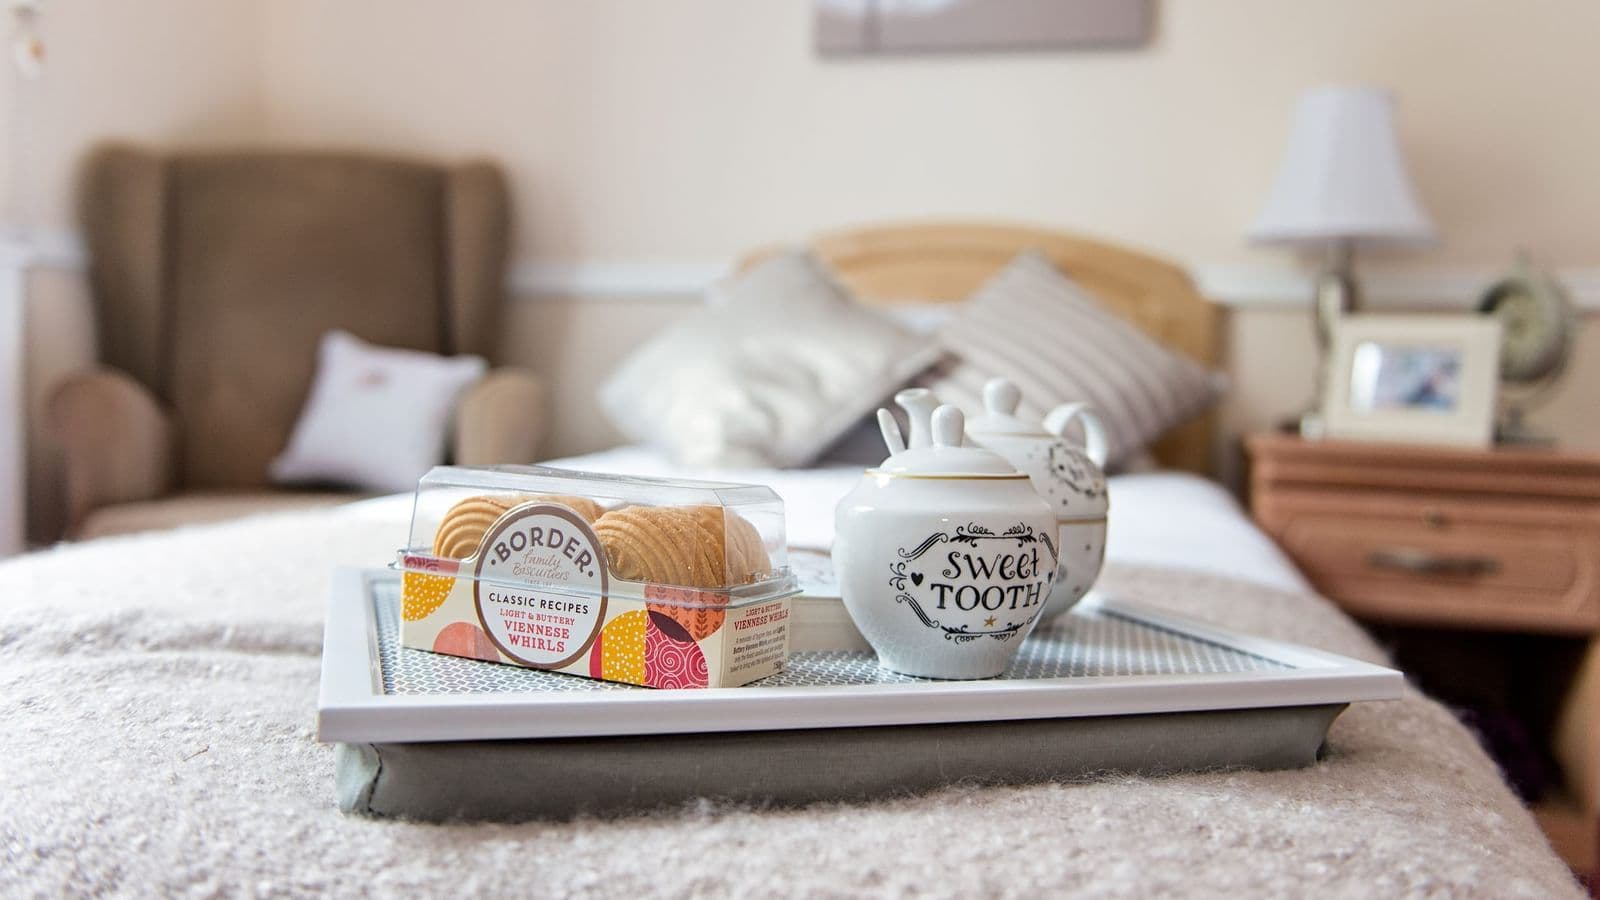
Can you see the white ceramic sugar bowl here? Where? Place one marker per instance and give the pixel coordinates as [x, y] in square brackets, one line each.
[945, 554]
[1067, 474]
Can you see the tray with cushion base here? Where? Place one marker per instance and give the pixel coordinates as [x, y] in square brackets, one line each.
[1111, 686]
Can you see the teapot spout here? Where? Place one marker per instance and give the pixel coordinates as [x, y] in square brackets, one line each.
[919, 404]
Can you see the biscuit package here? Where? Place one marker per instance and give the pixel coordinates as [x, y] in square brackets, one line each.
[655, 582]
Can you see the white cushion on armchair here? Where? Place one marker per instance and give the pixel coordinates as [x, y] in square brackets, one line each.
[376, 418]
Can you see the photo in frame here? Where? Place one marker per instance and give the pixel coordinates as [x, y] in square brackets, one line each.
[1413, 379]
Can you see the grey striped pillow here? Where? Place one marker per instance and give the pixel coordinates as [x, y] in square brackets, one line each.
[1037, 327]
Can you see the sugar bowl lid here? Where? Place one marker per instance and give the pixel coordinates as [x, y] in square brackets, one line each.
[1000, 401]
[944, 457]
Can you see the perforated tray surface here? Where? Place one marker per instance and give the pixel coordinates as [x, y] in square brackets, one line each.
[1106, 658]
[1088, 642]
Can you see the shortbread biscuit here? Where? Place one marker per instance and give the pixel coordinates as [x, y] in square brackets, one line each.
[661, 545]
[695, 546]
[746, 554]
[463, 527]
[587, 510]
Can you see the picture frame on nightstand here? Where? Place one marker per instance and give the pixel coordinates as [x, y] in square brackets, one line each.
[1413, 379]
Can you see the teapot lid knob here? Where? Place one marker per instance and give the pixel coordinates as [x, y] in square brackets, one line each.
[946, 453]
[948, 423]
[1000, 397]
[919, 404]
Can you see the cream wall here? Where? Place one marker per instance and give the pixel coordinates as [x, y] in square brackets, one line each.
[689, 130]
[156, 70]
[679, 134]
[160, 70]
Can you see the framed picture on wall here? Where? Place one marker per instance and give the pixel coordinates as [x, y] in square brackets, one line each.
[1413, 379]
[876, 27]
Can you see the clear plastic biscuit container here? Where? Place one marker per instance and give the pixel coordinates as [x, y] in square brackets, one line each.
[656, 582]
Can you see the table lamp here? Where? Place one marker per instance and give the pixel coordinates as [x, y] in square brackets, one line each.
[1342, 184]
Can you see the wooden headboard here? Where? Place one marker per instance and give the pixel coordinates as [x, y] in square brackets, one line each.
[947, 261]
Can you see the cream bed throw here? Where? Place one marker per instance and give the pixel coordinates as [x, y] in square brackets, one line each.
[157, 696]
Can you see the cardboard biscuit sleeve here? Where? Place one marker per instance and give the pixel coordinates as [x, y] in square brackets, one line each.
[654, 582]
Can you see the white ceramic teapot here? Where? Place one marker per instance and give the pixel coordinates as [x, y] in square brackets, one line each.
[1066, 474]
[945, 554]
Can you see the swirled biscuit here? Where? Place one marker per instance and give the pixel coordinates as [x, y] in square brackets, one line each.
[746, 554]
[463, 527]
[587, 510]
[662, 545]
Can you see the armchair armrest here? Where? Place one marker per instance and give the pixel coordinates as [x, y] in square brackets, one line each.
[116, 440]
[501, 419]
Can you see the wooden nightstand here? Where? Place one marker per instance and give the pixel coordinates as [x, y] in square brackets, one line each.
[1491, 538]
[1502, 540]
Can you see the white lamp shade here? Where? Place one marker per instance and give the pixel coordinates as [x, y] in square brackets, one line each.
[1343, 177]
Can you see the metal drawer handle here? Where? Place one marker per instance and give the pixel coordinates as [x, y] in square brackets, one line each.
[1423, 562]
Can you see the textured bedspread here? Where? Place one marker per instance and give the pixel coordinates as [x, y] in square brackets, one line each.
[157, 697]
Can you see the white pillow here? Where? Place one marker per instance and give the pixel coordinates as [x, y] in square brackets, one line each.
[780, 364]
[1045, 332]
[921, 317]
[377, 418]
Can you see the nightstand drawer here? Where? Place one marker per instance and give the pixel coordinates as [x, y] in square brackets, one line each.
[1401, 558]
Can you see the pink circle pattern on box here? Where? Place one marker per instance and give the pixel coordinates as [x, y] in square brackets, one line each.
[672, 658]
[465, 639]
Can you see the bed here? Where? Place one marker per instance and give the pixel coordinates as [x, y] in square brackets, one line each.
[159, 689]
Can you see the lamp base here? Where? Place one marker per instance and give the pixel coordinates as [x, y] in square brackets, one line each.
[1512, 430]
[1334, 295]
[1312, 426]
[1335, 292]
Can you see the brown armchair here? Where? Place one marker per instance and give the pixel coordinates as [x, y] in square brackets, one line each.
[213, 275]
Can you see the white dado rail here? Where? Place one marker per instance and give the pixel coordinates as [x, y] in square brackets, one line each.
[1232, 285]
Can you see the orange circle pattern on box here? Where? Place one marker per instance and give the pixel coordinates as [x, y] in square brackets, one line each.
[700, 613]
[618, 653]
